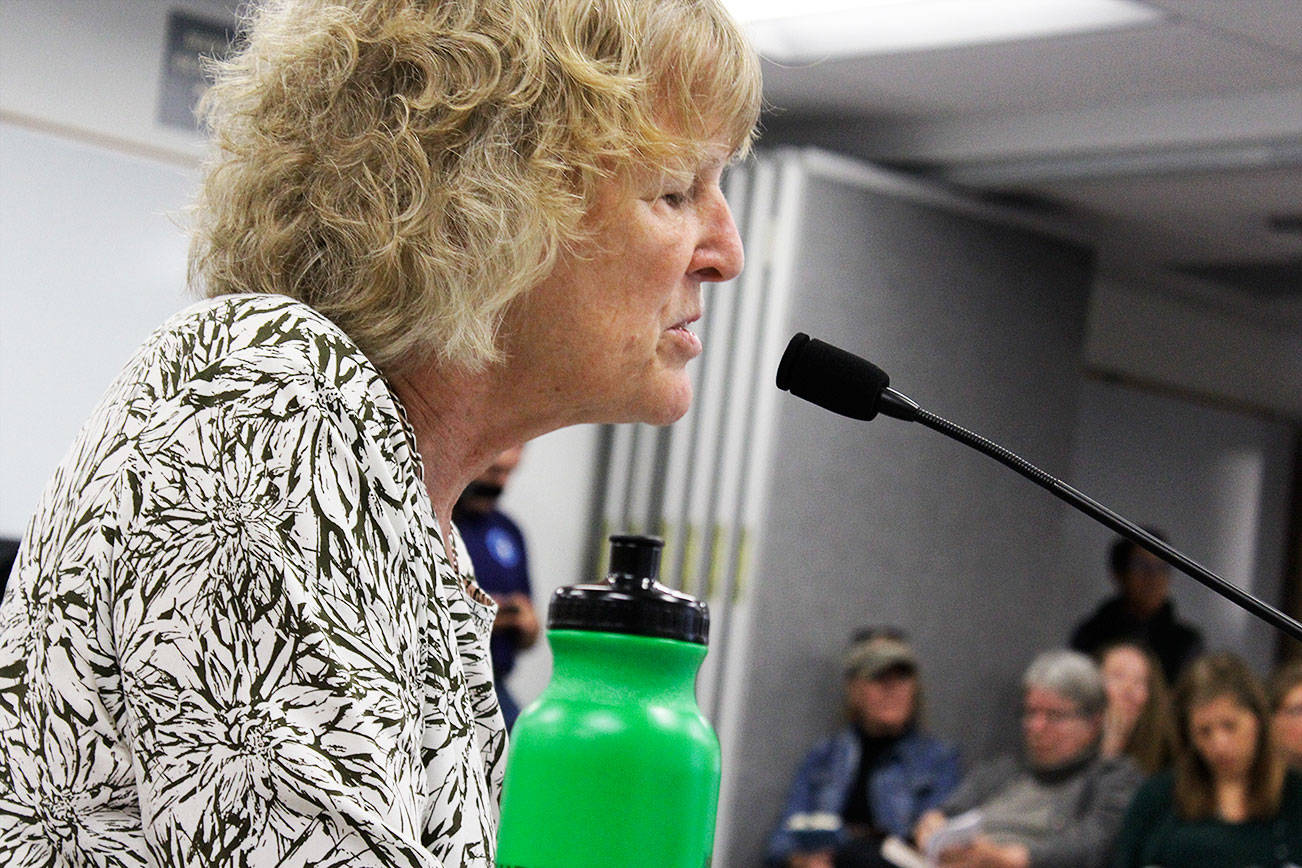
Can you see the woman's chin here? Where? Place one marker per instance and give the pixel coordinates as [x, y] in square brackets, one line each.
[668, 404]
[660, 399]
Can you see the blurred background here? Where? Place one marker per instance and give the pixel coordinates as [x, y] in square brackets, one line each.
[1077, 231]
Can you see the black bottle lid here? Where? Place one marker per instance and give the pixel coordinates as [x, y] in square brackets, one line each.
[630, 600]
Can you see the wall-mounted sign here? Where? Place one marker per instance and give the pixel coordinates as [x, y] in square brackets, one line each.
[188, 39]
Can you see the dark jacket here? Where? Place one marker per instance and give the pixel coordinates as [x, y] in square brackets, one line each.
[1155, 834]
[1174, 642]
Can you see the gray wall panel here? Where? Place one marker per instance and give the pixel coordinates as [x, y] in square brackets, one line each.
[887, 522]
[1216, 480]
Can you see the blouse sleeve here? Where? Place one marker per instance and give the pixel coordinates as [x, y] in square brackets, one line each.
[269, 638]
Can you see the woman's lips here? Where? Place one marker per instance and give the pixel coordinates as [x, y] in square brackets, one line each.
[684, 335]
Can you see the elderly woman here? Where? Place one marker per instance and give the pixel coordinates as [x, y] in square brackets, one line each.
[1229, 801]
[241, 629]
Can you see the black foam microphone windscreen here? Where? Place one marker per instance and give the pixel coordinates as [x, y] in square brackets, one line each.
[832, 378]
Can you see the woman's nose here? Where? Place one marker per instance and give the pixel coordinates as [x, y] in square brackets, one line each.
[719, 256]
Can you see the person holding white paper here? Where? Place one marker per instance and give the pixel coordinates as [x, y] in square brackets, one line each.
[1059, 804]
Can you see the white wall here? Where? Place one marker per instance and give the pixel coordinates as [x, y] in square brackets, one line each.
[93, 67]
[91, 261]
[91, 256]
[1161, 338]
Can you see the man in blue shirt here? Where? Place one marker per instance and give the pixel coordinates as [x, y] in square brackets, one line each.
[497, 550]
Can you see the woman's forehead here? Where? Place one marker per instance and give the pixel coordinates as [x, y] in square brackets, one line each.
[1222, 704]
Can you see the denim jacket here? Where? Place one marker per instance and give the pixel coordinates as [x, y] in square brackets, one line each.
[916, 774]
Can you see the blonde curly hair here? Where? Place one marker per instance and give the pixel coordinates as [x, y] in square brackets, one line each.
[408, 167]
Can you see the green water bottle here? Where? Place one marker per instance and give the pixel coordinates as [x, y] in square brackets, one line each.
[614, 766]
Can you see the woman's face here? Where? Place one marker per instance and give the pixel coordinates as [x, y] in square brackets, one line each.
[885, 705]
[1125, 678]
[1225, 735]
[607, 336]
[1287, 726]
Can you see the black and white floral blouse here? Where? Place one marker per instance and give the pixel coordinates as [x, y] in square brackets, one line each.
[233, 635]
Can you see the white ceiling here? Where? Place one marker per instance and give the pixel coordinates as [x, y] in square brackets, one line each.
[1169, 146]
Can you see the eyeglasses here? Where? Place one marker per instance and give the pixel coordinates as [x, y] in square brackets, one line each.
[1052, 715]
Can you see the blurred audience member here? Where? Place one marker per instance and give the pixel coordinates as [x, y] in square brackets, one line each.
[1229, 801]
[497, 550]
[1286, 713]
[875, 776]
[1061, 803]
[1141, 611]
[1139, 721]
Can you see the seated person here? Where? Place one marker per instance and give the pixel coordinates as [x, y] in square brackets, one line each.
[875, 776]
[1229, 800]
[1061, 803]
[1139, 721]
[1286, 713]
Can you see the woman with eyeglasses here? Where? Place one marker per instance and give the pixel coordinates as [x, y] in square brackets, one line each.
[1286, 713]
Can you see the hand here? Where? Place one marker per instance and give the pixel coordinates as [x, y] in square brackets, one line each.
[1118, 722]
[821, 859]
[927, 825]
[515, 612]
[984, 853]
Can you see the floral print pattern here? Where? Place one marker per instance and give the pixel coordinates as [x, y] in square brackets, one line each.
[234, 635]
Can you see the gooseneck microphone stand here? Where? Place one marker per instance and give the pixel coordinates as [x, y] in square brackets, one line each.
[847, 384]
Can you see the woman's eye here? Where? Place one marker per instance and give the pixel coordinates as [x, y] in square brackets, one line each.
[674, 200]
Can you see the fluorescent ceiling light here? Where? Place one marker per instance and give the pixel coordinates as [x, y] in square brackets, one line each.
[805, 30]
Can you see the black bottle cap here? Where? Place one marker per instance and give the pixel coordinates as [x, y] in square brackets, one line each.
[630, 600]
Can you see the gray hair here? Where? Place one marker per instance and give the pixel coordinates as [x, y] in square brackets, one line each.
[1071, 674]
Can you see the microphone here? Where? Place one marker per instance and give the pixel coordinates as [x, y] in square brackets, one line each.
[844, 383]
[840, 381]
